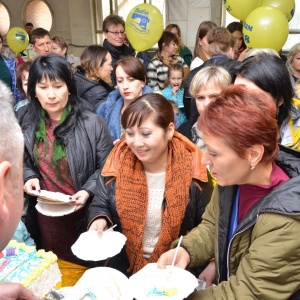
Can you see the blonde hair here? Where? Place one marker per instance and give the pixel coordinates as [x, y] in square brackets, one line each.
[293, 51]
[215, 73]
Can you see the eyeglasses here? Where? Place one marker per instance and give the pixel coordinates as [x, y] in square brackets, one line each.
[116, 33]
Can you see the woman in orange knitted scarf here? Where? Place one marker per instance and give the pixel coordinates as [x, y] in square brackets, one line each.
[153, 186]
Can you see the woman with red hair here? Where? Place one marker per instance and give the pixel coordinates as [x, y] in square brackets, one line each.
[251, 225]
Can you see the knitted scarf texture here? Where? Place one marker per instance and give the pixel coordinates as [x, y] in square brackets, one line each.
[167, 62]
[132, 196]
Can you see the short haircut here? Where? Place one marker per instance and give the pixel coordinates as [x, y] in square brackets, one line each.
[203, 29]
[29, 24]
[293, 51]
[148, 105]
[112, 20]
[167, 38]
[24, 67]
[217, 74]
[60, 41]
[133, 67]
[38, 33]
[92, 58]
[244, 118]
[270, 74]
[219, 40]
[11, 141]
[170, 27]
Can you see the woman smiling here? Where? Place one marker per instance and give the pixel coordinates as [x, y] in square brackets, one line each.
[153, 182]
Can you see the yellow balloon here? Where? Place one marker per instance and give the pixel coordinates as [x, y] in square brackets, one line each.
[266, 27]
[240, 9]
[144, 26]
[286, 6]
[17, 39]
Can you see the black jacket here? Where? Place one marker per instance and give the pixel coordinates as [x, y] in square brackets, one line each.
[94, 92]
[87, 148]
[116, 54]
[104, 204]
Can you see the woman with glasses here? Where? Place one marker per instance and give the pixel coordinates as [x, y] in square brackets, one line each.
[114, 33]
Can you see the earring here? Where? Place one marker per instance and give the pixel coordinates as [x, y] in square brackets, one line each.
[252, 168]
[69, 94]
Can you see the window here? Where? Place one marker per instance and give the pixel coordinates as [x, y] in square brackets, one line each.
[4, 20]
[119, 7]
[294, 26]
[38, 13]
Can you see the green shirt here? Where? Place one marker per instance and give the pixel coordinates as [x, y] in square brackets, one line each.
[5, 75]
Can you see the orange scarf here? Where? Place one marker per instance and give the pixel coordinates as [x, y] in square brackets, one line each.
[132, 195]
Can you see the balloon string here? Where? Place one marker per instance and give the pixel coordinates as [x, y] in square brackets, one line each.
[136, 53]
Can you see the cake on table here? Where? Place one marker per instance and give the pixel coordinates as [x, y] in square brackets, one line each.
[36, 270]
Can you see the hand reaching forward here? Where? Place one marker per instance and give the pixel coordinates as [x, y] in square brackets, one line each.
[15, 291]
[209, 274]
[100, 225]
[32, 184]
[182, 258]
[80, 199]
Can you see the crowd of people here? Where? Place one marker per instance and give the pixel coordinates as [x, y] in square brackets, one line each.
[204, 146]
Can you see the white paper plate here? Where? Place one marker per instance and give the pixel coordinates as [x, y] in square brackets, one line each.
[48, 197]
[147, 283]
[106, 284]
[55, 210]
[89, 246]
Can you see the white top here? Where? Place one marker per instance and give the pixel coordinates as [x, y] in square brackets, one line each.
[156, 190]
[197, 62]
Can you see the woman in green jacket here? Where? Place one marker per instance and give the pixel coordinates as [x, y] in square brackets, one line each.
[251, 225]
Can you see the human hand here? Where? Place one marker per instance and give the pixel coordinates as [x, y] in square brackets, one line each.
[182, 258]
[116, 141]
[174, 90]
[15, 291]
[209, 274]
[80, 199]
[243, 54]
[100, 225]
[32, 184]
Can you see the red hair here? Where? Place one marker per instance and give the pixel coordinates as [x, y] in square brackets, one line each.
[244, 118]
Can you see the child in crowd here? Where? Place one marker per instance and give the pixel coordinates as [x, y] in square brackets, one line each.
[21, 235]
[22, 80]
[174, 91]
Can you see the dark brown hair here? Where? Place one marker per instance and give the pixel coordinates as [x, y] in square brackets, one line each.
[92, 58]
[247, 117]
[24, 67]
[133, 67]
[154, 105]
[112, 20]
[38, 33]
[167, 38]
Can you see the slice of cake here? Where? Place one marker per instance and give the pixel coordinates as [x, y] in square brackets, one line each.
[36, 270]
